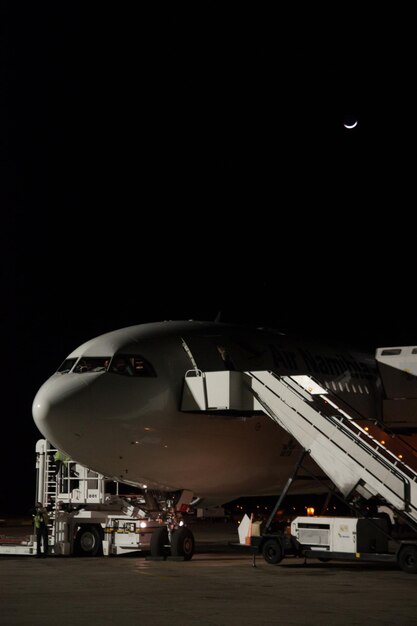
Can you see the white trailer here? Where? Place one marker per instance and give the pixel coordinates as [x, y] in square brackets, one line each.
[338, 538]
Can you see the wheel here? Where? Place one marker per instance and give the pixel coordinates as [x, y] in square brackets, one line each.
[272, 551]
[88, 541]
[159, 542]
[182, 543]
[407, 559]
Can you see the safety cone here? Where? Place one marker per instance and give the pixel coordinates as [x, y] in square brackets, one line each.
[249, 535]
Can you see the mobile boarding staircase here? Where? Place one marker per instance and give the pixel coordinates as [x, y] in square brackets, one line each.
[358, 455]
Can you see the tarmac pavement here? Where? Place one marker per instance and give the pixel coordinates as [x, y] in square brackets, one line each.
[218, 587]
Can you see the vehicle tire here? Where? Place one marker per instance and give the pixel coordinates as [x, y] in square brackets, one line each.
[272, 551]
[159, 542]
[182, 543]
[88, 541]
[407, 559]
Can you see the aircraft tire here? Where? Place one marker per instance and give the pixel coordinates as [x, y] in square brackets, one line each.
[407, 558]
[182, 543]
[272, 552]
[88, 541]
[159, 542]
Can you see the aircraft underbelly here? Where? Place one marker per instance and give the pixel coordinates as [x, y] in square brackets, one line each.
[211, 456]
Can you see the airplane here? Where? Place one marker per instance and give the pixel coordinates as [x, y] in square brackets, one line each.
[114, 405]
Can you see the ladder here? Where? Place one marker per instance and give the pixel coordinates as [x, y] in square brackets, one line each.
[358, 456]
[46, 484]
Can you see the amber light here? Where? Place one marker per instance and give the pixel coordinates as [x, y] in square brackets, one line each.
[310, 510]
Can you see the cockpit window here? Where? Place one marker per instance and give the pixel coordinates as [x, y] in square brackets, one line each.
[92, 364]
[131, 365]
[123, 364]
[66, 366]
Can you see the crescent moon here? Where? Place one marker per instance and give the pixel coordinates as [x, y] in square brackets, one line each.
[349, 126]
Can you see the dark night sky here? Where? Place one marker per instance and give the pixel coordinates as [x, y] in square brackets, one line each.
[171, 166]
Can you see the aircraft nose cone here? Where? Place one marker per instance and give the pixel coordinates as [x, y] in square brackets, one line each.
[59, 406]
[41, 408]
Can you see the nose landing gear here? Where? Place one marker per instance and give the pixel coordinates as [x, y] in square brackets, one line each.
[173, 538]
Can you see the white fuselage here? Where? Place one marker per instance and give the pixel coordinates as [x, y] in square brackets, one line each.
[131, 428]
